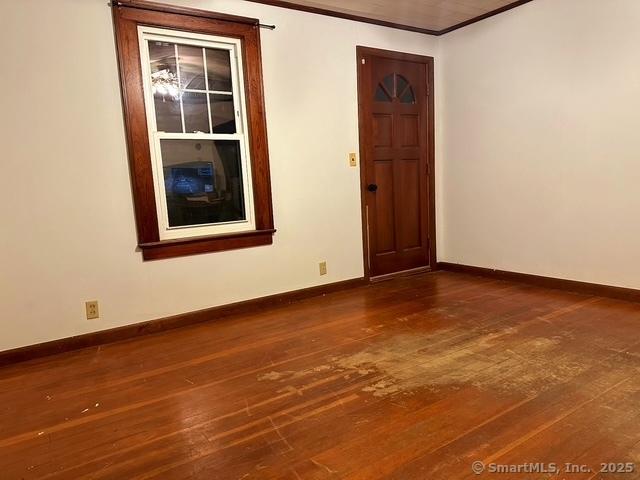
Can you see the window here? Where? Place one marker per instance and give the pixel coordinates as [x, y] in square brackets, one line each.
[197, 122]
[395, 86]
[194, 110]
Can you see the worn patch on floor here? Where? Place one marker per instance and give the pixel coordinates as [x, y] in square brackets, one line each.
[405, 363]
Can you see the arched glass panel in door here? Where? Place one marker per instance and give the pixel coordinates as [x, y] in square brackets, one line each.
[395, 87]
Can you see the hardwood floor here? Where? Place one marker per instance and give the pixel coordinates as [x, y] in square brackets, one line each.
[415, 378]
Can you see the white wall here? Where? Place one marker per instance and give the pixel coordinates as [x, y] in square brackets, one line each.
[68, 232]
[541, 141]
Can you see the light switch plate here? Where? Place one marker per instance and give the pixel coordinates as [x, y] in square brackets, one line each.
[323, 268]
[352, 160]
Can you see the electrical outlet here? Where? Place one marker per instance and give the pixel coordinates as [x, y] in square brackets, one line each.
[92, 310]
[352, 160]
[323, 268]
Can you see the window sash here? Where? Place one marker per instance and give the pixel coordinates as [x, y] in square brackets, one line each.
[234, 46]
[161, 197]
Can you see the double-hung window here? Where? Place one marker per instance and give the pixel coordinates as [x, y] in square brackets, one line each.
[196, 129]
[197, 123]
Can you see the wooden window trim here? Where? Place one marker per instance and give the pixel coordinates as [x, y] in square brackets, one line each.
[127, 16]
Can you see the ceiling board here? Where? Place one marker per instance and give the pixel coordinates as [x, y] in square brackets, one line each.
[427, 16]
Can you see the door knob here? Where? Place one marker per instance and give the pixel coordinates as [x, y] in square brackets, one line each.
[372, 187]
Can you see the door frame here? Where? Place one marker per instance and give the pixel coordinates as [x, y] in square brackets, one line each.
[431, 227]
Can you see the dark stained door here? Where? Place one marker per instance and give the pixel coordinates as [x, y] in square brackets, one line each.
[396, 136]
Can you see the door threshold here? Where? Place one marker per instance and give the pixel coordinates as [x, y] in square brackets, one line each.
[403, 273]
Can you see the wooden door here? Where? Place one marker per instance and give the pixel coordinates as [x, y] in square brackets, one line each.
[396, 147]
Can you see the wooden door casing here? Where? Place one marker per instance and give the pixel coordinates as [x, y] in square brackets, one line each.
[396, 147]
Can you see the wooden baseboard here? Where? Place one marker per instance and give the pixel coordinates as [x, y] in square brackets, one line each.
[168, 323]
[619, 293]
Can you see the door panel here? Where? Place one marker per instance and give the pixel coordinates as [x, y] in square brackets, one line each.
[382, 130]
[409, 129]
[408, 204]
[385, 233]
[396, 136]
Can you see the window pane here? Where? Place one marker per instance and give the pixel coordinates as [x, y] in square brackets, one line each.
[191, 67]
[219, 69]
[381, 95]
[408, 96]
[164, 83]
[401, 85]
[388, 84]
[162, 56]
[196, 112]
[167, 113]
[203, 181]
[222, 114]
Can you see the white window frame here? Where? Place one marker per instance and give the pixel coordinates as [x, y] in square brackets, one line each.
[234, 46]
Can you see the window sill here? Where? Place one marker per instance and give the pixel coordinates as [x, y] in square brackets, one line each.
[211, 243]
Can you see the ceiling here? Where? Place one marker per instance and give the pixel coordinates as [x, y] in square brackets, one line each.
[427, 16]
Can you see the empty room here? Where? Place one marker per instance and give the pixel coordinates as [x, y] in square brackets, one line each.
[320, 239]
